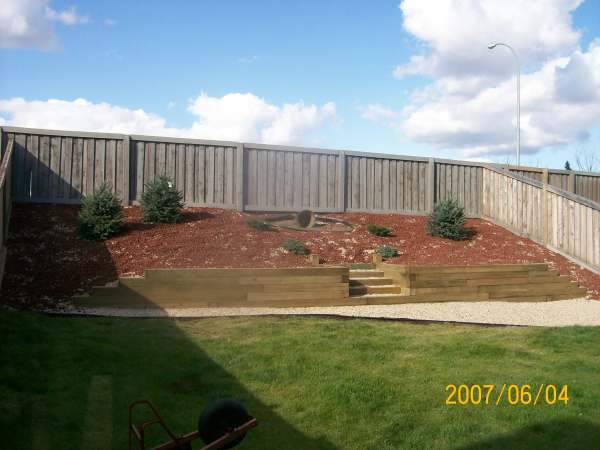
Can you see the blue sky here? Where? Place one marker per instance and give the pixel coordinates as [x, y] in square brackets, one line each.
[161, 57]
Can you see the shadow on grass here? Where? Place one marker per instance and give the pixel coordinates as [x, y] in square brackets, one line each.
[66, 382]
[564, 434]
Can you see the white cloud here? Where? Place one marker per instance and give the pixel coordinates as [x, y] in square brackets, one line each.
[470, 104]
[29, 23]
[236, 117]
[67, 17]
[248, 117]
[377, 112]
[110, 22]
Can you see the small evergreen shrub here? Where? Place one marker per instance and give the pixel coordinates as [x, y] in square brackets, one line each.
[294, 246]
[101, 215]
[161, 202]
[258, 224]
[378, 230]
[386, 251]
[448, 221]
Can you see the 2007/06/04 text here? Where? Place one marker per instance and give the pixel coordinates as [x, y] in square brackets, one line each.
[511, 394]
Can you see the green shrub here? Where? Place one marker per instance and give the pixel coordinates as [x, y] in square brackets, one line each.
[258, 224]
[161, 202]
[387, 252]
[378, 230]
[101, 215]
[448, 221]
[294, 246]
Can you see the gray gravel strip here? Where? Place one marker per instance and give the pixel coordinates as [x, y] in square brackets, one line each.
[542, 314]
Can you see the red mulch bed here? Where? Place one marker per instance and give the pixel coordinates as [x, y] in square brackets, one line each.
[47, 262]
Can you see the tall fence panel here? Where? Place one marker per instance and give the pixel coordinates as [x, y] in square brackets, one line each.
[61, 167]
[204, 171]
[6, 152]
[584, 184]
[562, 221]
[382, 183]
[588, 186]
[574, 227]
[462, 182]
[290, 179]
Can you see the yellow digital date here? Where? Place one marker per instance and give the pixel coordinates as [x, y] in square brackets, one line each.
[511, 394]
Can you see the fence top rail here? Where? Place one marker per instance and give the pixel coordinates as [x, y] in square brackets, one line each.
[457, 162]
[5, 161]
[335, 152]
[555, 190]
[75, 134]
[182, 140]
[177, 140]
[541, 170]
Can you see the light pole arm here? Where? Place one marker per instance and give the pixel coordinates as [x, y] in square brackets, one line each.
[518, 96]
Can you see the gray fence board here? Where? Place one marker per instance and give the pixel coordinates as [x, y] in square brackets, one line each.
[54, 166]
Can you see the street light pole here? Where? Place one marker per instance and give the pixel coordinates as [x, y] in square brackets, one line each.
[491, 47]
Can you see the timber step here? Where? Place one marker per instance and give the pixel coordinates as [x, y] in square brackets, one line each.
[362, 273]
[377, 289]
[361, 266]
[370, 281]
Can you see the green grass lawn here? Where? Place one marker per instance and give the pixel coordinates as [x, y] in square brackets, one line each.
[313, 383]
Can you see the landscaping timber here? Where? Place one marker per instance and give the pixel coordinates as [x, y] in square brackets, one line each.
[363, 284]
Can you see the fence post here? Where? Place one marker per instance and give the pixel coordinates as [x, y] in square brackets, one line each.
[341, 200]
[430, 184]
[544, 207]
[126, 168]
[571, 187]
[239, 177]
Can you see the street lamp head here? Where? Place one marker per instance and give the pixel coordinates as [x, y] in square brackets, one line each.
[492, 46]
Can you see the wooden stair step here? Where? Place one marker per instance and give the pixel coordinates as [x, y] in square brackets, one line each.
[370, 281]
[362, 266]
[377, 289]
[365, 273]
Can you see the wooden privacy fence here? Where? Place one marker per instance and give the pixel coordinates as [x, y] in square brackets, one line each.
[60, 167]
[562, 221]
[584, 184]
[6, 151]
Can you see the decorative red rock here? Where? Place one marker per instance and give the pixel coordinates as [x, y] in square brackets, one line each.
[47, 262]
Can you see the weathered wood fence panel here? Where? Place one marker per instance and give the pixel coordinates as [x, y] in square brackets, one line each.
[588, 186]
[61, 167]
[204, 171]
[562, 221]
[6, 154]
[584, 184]
[386, 184]
[575, 228]
[462, 182]
[281, 179]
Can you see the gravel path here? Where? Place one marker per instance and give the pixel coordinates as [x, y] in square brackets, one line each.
[546, 314]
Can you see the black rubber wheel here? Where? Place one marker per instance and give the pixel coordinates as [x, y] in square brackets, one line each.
[218, 418]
